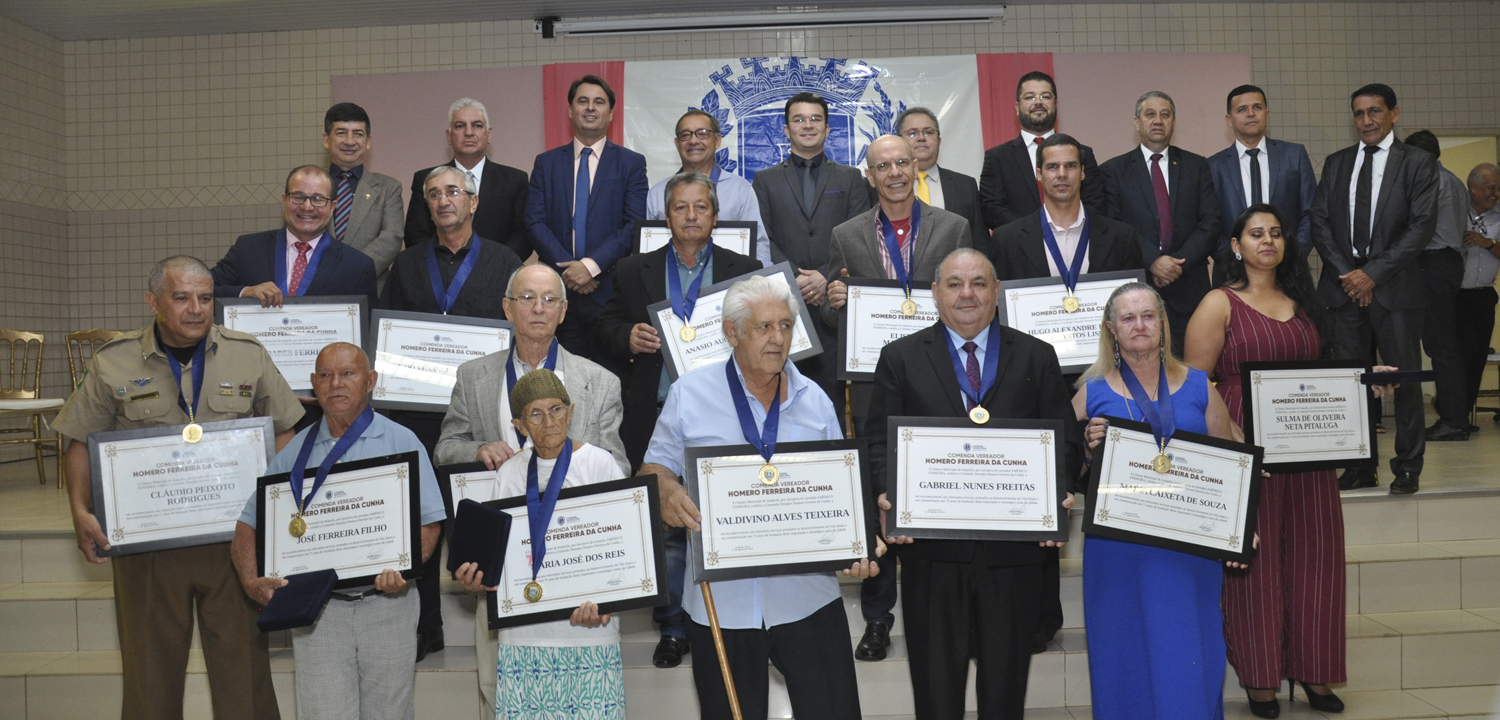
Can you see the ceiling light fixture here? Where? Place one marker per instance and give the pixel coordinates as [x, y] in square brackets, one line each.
[943, 15]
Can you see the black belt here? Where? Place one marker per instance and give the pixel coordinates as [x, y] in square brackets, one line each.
[1438, 250]
[355, 597]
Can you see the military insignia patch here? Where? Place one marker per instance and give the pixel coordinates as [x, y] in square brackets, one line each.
[141, 382]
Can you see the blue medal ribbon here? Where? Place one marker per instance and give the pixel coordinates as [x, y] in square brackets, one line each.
[893, 247]
[197, 379]
[762, 439]
[539, 506]
[1159, 413]
[682, 305]
[282, 277]
[446, 298]
[986, 373]
[1068, 271]
[510, 380]
[346, 441]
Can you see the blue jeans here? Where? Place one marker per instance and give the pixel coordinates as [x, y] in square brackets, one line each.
[670, 617]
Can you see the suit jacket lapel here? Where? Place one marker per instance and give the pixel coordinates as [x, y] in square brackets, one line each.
[1099, 244]
[1143, 182]
[1277, 165]
[823, 176]
[328, 267]
[942, 366]
[1392, 164]
[607, 160]
[364, 199]
[1020, 158]
[1036, 248]
[654, 266]
[1174, 172]
[1339, 205]
[793, 184]
[923, 247]
[487, 386]
[1002, 367]
[1237, 203]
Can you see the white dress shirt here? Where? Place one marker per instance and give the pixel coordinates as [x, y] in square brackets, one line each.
[1265, 170]
[934, 187]
[1030, 140]
[1067, 241]
[1377, 173]
[477, 172]
[1166, 174]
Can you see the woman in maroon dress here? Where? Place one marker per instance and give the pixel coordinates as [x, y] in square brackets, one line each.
[1284, 616]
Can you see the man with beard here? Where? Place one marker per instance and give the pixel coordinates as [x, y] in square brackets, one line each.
[1008, 188]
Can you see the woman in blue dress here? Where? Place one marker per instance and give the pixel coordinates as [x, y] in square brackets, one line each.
[1155, 632]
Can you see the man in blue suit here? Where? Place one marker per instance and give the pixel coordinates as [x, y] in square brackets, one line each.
[581, 222]
[300, 258]
[1258, 169]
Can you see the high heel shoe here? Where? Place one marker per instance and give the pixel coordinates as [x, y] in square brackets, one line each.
[1263, 708]
[1322, 703]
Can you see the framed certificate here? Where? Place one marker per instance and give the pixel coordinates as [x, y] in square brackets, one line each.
[1204, 505]
[813, 518]
[466, 481]
[872, 318]
[367, 518]
[155, 491]
[1035, 307]
[604, 545]
[1308, 415]
[418, 354]
[736, 235]
[707, 344]
[297, 331]
[952, 479]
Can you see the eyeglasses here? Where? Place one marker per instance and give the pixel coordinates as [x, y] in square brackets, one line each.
[452, 192]
[923, 133]
[1028, 97]
[547, 301]
[807, 120]
[701, 134]
[885, 167]
[318, 201]
[556, 412]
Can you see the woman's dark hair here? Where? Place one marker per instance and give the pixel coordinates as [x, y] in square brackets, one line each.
[1292, 275]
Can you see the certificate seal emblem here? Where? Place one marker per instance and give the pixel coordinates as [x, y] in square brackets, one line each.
[768, 474]
[1070, 304]
[1162, 464]
[192, 433]
[532, 592]
[979, 415]
[687, 333]
[909, 307]
[298, 528]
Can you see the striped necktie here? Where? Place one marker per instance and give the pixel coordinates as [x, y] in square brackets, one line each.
[343, 204]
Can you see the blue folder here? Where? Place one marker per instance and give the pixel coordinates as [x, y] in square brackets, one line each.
[299, 602]
[480, 534]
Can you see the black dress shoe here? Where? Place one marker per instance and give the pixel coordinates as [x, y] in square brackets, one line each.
[1263, 708]
[1039, 643]
[1404, 484]
[669, 651]
[876, 641]
[1472, 429]
[1323, 703]
[1355, 479]
[1446, 433]
[429, 642]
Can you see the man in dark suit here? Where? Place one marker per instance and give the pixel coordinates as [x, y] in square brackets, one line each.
[802, 200]
[937, 186]
[1258, 169]
[1375, 209]
[624, 332]
[963, 598]
[1166, 194]
[366, 204]
[300, 258]
[585, 199]
[501, 216]
[1007, 186]
[1020, 251]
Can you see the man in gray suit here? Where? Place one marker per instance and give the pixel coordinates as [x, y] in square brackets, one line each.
[367, 205]
[801, 201]
[1375, 209]
[923, 235]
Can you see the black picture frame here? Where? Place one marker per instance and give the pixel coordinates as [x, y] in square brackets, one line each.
[696, 562]
[98, 441]
[414, 487]
[1247, 371]
[658, 539]
[1008, 285]
[223, 308]
[1059, 467]
[1180, 437]
[844, 373]
[644, 229]
[372, 343]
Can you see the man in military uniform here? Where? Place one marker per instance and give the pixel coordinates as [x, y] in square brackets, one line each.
[130, 384]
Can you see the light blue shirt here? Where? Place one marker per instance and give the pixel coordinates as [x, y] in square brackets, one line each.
[737, 203]
[982, 340]
[700, 412]
[383, 437]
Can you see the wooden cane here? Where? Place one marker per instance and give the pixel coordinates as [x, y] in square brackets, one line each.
[713, 626]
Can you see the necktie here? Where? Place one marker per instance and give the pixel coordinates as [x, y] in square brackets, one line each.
[972, 368]
[922, 192]
[1255, 189]
[1163, 204]
[581, 203]
[1362, 201]
[809, 186]
[343, 204]
[298, 267]
[1040, 196]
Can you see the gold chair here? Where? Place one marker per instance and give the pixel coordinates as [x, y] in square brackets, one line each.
[81, 348]
[20, 396]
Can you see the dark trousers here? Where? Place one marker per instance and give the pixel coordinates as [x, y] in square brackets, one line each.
[1475, 320]
[427, 426]
[1179, 320]
[812, 653]
[1442, 273]
[670, 617]
[1396, 334]
[954, 611]
[576, 333]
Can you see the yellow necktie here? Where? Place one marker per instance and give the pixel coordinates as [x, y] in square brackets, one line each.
[922, 187]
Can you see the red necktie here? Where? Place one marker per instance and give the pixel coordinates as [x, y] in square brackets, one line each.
[1163, 204]
[298, 267]
[1041, 196]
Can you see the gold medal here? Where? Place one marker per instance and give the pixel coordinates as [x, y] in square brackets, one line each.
[533, 592]
[909, 307]
[979, 415]
[298, 528]
[687, 333]
[1162, 464]
[769, 474]
[192, 433]
[1070, 304]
